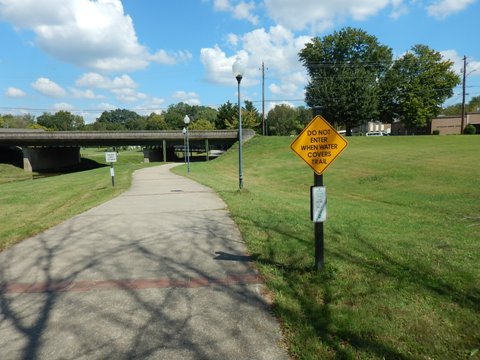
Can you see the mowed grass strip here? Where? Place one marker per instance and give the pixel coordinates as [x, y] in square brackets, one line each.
[9, 173]
[402, 242]
[31, 206]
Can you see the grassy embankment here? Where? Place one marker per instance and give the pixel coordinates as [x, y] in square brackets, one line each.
[30, 206]
[402, 238]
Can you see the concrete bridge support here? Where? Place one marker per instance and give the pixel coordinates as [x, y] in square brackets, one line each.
[50, 158]
[156, 154]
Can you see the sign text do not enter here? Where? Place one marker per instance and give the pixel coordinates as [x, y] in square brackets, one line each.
[319, 144]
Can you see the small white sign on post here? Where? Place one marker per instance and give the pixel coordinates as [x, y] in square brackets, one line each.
[111, 157]
[318, 203]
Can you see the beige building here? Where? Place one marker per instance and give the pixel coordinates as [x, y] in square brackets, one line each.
[451, 125]
[444, 125]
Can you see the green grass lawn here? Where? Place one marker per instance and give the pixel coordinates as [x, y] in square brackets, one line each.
[30, 206]
[9, 173]
[402, 276]
[402, 244]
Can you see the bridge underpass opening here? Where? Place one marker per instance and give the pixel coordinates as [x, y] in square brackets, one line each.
[50, 158]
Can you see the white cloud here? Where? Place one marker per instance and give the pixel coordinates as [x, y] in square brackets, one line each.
[473, 67]
[128, 94]
[443, 8]
[95, 80]
[232, 39]
[91, 80]
[218, 66]
[92, 34]
[157, 101]
[241, 10]
[14, 92]
[292, 86]
[85, 94]
[48, 88]
[399, 9]
[106, 106]
[123, 86]
[152, 105]
[123, 81]
[163, 57]
[190, 98]
[63, 106]
[322, 15]
[221, 5]
[278, 48]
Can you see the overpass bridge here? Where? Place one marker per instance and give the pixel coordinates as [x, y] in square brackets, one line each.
[53, 150]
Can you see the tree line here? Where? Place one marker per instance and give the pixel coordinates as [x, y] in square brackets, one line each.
[456, 109]
[281, 120]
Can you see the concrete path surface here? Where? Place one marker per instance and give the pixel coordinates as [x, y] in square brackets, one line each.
[158, 273]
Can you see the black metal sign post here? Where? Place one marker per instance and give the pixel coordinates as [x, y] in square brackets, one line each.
[318, 232]
[318, 181]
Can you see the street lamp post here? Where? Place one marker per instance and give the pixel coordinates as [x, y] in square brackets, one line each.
[186, 120]
[184, 131]
[238, 69]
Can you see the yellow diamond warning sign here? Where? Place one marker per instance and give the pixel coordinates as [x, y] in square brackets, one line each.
[319, 144]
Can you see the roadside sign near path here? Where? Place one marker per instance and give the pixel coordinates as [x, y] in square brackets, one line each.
[319, 144]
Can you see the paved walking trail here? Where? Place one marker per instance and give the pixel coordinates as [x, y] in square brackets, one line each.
[159, 272]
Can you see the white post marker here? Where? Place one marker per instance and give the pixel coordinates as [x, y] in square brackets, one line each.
[318, 205]
[111, 157]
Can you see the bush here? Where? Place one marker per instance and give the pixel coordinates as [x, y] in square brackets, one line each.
[436, 132]
[470, 130]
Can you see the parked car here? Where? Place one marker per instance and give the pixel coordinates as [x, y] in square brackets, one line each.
[376, 133]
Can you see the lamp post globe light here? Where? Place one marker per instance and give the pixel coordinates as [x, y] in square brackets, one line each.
[238, 69]
[186, 121]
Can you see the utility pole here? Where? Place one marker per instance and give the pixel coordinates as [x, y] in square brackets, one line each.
[463, 93]
[264, 120]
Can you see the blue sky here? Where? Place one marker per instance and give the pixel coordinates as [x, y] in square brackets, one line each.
[87, 56]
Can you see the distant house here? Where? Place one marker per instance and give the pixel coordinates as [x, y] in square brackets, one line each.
[373, 126]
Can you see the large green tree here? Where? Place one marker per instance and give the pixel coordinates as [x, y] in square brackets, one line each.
[344, 70]
[155, 121]
[283, 120]
[175, 114]
[118, 119]
[205, 113]
[304, 115]
[416, 86]
[17, 121]
[226, 116]
[251, 119]
[61, 121]
[202, 124]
